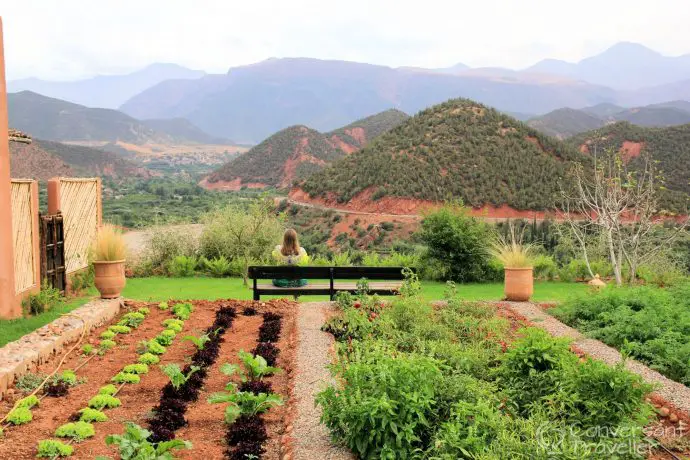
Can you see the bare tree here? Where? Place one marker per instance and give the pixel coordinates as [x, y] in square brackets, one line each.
[620, 205]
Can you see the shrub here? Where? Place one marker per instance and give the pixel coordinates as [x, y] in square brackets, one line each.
[92, 415]
[164, 246]
[149, 358]
[20, 416]
[545, 268]
[83, 279]
[182, 266]
[383, 408]
[43, 301]
[49, 448]
[103, 401]
[78, 431]
[218, 267]
[123, 377]
[457, 242]
[108, 389]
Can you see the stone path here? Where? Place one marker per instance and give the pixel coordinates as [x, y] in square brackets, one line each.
[311, 438]
[673, 392]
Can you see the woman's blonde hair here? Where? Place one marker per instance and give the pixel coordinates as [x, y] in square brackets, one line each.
[290, 243]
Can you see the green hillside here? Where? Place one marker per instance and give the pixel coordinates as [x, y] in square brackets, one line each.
[669, 146]
[458, 149]
[565, 122]
[372, 126]
[298, 151]
[654, 116]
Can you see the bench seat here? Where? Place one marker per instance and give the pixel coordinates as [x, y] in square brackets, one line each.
[326, 280]
[375, 287]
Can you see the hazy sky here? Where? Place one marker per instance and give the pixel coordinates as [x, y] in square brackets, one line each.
[67, 39]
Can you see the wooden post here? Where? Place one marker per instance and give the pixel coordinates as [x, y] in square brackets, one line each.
[53, 196]
[8, 304]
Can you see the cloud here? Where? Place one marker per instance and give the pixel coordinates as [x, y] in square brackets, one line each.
[78, 38]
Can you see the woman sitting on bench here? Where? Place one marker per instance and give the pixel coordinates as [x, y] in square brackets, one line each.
[290, 253]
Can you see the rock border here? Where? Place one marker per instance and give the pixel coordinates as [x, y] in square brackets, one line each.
[26, 354]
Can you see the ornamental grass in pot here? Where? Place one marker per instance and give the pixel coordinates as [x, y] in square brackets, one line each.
[517, 259]
[109, 251]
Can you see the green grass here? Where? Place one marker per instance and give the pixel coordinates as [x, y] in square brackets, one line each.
[14, 329]
[159, 289]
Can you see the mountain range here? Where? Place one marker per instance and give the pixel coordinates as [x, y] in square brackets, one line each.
[58, 120]
[251, 102]
[296, 152]
[105, 91]
[566, 122]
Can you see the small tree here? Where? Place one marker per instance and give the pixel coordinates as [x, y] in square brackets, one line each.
[622, 207]
[242, 235]
[458, 241]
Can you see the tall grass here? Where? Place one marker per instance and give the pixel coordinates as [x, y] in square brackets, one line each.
[109, 245]
[512, 252]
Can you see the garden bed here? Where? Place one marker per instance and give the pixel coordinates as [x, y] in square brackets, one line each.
[462, 380]
[205, 427]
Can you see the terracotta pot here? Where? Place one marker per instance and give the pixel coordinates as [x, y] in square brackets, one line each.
[519, 284]
[110, 278]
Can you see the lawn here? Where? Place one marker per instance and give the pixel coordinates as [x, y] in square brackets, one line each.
[14, 329]
[158, 289]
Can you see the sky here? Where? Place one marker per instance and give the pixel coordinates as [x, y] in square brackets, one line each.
[72, 39]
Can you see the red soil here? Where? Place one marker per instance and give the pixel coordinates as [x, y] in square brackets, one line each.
[358, 134]
[409, 226]
[300, 156]
[232, 186]
[206, 427]
[630, 150]
[338, 143]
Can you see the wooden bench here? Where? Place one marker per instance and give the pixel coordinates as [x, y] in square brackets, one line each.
[326, 276]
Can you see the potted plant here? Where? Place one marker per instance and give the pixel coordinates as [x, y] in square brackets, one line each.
[109, 262]
[517, 260]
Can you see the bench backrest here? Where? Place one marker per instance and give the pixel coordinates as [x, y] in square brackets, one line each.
[346, 273]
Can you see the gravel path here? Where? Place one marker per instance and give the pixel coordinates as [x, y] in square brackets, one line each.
[673, 392]
[311, 439]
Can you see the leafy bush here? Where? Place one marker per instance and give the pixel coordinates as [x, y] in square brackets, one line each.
[218, 267]
[457, 242]
[92, 415]
[134, 445]
[182, 266]
[652, 324]
[49, 448]
[165, 244]
[121, 328]
[107, 335]
[123, 377]
[102, 401]
[149, 358]
[109, 390]
[43, 301]
[383, 408]
[78, 431]
[176, 376]
[244, 403]
[28, 402]
[20, 416]
[545, 268]
[138, 369]
[132, 319]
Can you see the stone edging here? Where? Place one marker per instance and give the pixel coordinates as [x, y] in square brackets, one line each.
[24, 355]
